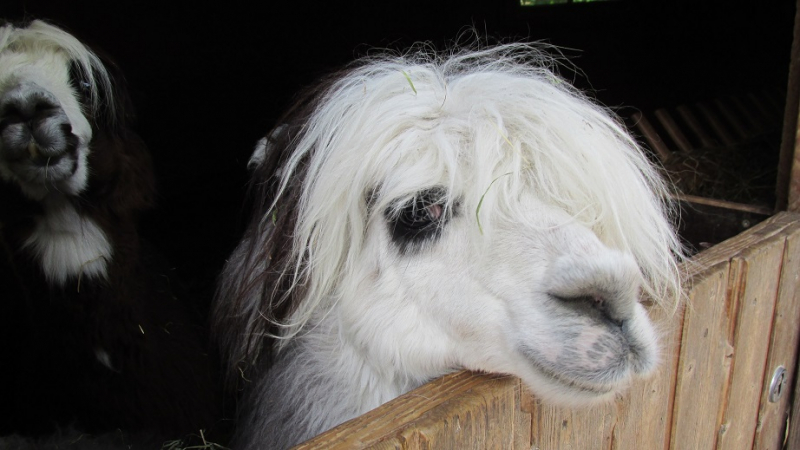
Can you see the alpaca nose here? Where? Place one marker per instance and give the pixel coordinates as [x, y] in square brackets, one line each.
[595, 306]
[32, 124]
[25, 102]
[604, 287]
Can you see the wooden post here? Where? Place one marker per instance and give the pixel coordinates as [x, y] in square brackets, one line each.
[788, 182]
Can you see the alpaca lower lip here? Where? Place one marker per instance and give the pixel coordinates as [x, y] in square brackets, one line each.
[576, 385]
[583, 385]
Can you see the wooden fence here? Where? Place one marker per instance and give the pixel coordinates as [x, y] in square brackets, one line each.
[740, 324]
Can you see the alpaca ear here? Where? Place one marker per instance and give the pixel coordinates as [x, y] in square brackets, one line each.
[266, 145]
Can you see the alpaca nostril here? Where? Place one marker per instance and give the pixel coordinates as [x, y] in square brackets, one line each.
[10, 115]
[595, 307]
[27, 102]
[43, 106]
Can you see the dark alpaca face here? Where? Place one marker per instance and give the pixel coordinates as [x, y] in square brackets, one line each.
[44, 95]
[38, 145]
[61, 144]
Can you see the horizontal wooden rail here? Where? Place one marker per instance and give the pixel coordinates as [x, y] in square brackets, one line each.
[711, 392]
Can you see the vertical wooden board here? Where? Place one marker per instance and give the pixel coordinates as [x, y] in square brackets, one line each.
[523, 430]
[704, 363]
[564, 428]
[645, 414]
[783, 348]
[755, 295]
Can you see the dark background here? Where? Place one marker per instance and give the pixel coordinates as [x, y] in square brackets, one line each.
[208, 79]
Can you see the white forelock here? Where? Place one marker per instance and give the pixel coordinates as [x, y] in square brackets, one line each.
[42, 52]
[485, 125]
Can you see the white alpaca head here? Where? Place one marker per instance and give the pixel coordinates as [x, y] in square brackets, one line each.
[49, 77]
[461, 211]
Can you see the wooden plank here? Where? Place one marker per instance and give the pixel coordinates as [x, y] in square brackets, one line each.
[651, 135]
[706, 353]
[723, 252]
[754, 279]
[557, 427]
[789, 171]
[395, 422]
[705, 222]
[483, 418]
[645, 415]
[673, 130]
[787, 190]
[773, 416]
[716, 124]
[737, 125]
[743, 207]
[755, 121]
[697, 127]
[704, 365]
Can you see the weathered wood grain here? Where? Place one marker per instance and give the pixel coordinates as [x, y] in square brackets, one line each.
[704, 364]
[573, 428]
[754, 279]
[787, 182]
[645, 414]
[784, 342]
[457, 406]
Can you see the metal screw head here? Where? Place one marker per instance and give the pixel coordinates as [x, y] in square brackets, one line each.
[777, 384]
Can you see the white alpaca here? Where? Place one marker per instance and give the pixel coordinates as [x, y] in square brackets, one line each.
[423, 213]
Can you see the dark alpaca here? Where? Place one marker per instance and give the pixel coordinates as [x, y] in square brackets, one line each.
[94, 335]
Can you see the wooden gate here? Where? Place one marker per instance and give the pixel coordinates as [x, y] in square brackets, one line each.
[720, 352]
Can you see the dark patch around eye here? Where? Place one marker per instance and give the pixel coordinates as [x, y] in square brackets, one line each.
[418, 221]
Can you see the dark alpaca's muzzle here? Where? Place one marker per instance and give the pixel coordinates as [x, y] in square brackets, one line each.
[36, 139]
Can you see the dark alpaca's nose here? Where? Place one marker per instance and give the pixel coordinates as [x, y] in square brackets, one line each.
[27, 101]
[33, 125]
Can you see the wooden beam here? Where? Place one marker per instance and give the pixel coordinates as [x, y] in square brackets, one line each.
[788, 180]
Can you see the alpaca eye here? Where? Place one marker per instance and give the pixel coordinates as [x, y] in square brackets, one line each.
[420, 214]
[79, 83]
[417, 221]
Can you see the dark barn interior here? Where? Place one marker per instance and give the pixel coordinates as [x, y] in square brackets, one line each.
[210, 79]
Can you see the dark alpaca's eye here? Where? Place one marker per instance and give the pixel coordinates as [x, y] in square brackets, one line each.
[419, 220]
[79, 82]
